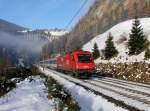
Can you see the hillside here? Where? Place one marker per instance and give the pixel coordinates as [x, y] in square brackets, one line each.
[9, 27]
[103, 15]
[120, 31]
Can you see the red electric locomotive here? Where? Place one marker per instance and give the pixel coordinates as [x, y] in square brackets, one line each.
[78, 63]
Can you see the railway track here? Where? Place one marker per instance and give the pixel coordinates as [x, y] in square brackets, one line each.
[130, 95]
[125, 84]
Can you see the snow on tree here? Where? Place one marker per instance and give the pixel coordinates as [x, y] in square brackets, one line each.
[110, 50]
[137, 41]
[96, 52]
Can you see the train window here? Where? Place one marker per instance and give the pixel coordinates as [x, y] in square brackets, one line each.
[84, 58]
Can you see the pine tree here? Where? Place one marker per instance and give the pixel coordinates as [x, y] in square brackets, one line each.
[137, 41]
[96, 53]
[147, 54]
[110, 50]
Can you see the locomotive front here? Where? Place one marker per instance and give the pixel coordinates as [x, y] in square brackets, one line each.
[84, 62]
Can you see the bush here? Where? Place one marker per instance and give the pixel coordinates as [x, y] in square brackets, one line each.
[18, 74]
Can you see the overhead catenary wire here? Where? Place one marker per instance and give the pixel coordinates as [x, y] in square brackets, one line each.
[78, 11]
[72, 19]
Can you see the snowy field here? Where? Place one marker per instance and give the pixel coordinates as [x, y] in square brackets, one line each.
[28, 96]
[120, 31]
[86, 99]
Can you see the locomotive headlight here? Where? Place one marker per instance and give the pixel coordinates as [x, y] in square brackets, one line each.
[86, 66]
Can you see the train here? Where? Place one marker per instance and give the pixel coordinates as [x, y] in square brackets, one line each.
[77, 63]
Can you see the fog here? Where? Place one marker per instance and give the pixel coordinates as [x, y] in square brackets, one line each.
[23, 45]
[32, 43]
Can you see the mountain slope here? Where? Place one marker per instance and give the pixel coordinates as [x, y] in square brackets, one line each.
[8, 26]
[120, 33]
[18, 44]
[103, 15]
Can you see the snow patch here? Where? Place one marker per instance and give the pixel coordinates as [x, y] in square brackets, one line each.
[58, 33]
[28, 96]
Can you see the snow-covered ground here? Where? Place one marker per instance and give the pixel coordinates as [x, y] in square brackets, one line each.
[28, 96]
[87, 100]
[120, 31]
[47, 31]
[136, 96]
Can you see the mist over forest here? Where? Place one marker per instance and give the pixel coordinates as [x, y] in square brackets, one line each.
[22, 45]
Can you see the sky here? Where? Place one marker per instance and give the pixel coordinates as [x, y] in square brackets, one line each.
[42, 14]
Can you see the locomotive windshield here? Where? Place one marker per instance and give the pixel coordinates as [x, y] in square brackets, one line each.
[84, 58]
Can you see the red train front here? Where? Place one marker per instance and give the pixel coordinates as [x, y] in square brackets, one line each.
[77, 62]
